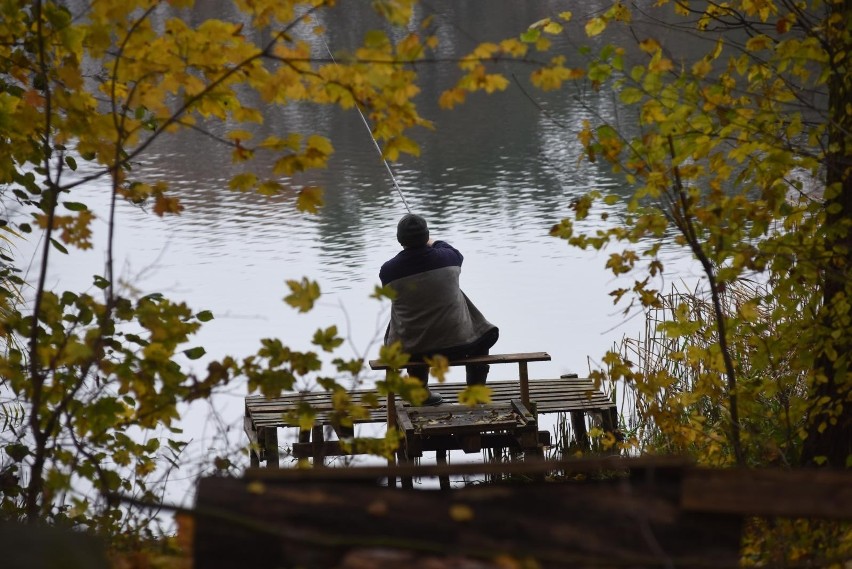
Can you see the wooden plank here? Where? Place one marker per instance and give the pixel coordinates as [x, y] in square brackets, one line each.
[403, 419]
[380, 416]
[614, 523]
[489, 359]
[459, 419]
[539, 389]
[412, 444]
[549, 395]
[800, 493]
[548, 399]
[640, 465]
[357, 446]
[256, 453]
[470, 443]
[523, 411]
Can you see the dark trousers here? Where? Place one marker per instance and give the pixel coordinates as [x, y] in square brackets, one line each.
[476, 373]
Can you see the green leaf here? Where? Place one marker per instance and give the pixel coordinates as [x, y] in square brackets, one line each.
[17, 452]
[195, 353]
[303, 294]
[204, 316]
[59, 246]
[69, 160]
[530, 36]
[75, 206]
[101, 282]
[327, 339]
[381, 292]
[631, 95]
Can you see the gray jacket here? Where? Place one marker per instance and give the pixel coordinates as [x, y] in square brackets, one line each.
[430, 312]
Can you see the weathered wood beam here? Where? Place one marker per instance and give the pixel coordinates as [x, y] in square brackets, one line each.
[614, 523]
[784, 493]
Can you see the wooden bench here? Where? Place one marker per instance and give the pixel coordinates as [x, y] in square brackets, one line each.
[570, 394]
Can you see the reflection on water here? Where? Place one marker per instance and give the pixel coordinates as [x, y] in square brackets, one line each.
[493, 177]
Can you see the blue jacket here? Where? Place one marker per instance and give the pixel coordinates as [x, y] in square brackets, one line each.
[430, 312]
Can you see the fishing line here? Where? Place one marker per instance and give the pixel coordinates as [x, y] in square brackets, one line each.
[373, 138]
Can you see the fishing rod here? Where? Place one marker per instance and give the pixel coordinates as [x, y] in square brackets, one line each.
[373, 138]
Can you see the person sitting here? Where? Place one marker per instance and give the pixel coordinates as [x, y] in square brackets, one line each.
[430, 314]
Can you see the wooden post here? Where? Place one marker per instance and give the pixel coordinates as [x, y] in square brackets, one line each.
[441, 459]
[270, 442]
[525, 383]
[319, 446]
[391, 405]
[609, 420]
[578, 424]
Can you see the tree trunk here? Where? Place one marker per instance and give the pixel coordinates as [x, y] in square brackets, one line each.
[829, 429]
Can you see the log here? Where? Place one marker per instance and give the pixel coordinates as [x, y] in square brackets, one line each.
[620, 522]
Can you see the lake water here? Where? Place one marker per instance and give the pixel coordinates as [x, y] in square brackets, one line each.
[493, 177]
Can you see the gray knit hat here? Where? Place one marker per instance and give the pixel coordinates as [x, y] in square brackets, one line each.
[412, 231]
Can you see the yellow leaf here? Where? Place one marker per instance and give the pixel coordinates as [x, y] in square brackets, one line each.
[542, 44]
[495, 82]
[166, 204]
[240, 135]
[595, 27]
[513, 47]
[649, 45]
[553, 28]
[269, 188]
[320, 143]
[461, 513]
[243, 182]
[701, 68]
[303, 294]
[717, 50]
[620, 13]
[758, 43]
[310, 199]
[659, 63]
[749, 311]
[451, 97]
[474, 394]
[438, 367]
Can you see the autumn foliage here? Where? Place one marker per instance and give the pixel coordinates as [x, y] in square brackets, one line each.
[742, 157]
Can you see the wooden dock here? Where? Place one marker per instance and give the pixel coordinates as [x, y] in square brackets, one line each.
[519, 402]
